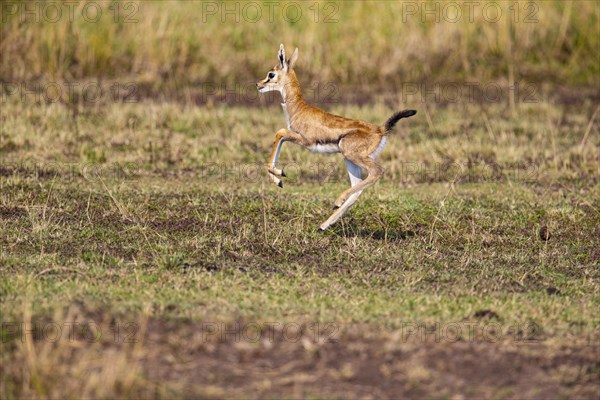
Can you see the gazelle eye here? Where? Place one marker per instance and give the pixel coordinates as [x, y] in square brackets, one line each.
[271, 75]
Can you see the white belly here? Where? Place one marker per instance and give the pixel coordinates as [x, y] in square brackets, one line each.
[325, 148]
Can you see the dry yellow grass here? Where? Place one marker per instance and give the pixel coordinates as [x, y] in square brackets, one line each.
[373, 43]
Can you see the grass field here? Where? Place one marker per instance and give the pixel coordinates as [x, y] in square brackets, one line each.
[144, 252]
[140, 215]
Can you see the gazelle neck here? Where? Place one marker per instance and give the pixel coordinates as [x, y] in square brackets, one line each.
[291, 93]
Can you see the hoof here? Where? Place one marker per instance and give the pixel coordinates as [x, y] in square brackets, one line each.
[320, 230]
[335, 206]
[275, 180]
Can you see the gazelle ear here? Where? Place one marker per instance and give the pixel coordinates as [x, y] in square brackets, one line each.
[292, 61]
[281, 56]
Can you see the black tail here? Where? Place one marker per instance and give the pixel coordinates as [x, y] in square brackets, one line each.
[397, 117]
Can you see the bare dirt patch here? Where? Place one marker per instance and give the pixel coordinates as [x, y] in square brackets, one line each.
[364, 364]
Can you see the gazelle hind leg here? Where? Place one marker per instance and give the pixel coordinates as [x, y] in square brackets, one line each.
[338, 213]
[375, 172]
[355, 174]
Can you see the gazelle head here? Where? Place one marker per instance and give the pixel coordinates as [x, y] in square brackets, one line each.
[278, 77]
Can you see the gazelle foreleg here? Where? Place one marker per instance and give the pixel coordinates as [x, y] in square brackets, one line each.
[282, 135]
[355, 174]
[275, 172]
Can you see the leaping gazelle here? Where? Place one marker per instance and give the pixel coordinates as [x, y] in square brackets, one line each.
[319, 131]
